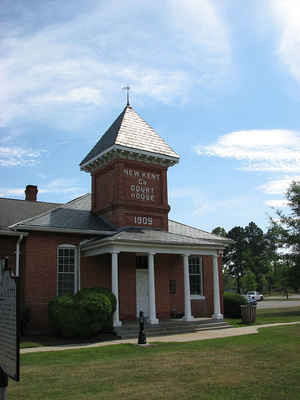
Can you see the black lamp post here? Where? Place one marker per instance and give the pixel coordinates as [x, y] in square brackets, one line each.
[142, 336]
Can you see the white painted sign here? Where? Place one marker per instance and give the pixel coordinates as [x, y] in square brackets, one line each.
[143, 188]
[143, 220]
[9, 327]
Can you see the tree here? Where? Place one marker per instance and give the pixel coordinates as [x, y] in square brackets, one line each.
[249, 257]
[257, 254]
[220, 231]
[234, 259]
[248, 282]
[288, 226]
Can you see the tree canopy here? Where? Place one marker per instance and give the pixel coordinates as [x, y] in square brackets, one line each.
[248, 258]
[287, 229]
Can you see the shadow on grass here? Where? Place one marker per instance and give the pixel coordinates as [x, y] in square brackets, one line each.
[42, 340]
[269, 316]
[279, 313]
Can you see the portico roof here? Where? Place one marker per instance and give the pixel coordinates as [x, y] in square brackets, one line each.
[144, 239]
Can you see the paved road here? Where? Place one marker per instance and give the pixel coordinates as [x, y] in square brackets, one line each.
[279, 303]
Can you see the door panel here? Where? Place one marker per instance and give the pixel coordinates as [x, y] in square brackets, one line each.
[142, 292]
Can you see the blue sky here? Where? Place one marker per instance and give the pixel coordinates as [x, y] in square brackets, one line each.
[219, 80]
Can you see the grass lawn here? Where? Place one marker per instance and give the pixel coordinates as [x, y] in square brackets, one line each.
[271, 316]
[263, 366]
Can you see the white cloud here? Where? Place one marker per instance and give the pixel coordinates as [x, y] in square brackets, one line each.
[8, 192]
[259, 150]
[277, 203]
[83, 95]
[182, 192]
[278, 186]
[62, 186]
[286, 14]
[162, 51]
[17, 156]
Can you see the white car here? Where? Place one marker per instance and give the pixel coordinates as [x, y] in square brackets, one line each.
[255, 295]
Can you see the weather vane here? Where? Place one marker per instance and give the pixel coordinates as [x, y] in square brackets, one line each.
[127, 88]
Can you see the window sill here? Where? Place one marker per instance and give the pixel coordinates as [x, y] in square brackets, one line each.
[197, 297]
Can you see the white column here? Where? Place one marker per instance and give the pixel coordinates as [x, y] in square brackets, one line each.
[151, 282]
[187, 293]
[115, 286]
[217, 309]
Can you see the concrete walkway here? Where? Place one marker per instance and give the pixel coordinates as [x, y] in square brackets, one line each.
[186, 337]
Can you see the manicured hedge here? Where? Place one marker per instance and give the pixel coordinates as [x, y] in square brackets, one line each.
[232, 304]
[85, 314]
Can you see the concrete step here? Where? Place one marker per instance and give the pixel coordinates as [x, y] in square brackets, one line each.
[163, 329]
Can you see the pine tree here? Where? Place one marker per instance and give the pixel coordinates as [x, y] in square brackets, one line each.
[288, 227]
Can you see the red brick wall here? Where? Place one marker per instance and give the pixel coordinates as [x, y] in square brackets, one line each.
[40, 272]
[162, 265]
[124, 189]
[127, 286]
[96, 271]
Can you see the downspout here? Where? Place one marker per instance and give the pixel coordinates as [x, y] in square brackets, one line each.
[18, 256]
[78, 268]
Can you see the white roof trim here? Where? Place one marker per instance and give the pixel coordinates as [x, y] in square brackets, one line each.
[64, 230]
[102, 246]
[131, 150]
[5, 232]
[146, 248]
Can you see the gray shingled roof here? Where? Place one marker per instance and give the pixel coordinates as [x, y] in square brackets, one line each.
[182, 229]
[140, 235]
[13, 210]
[73, 215]
[81, 203]
[130, 131]
[67, 218]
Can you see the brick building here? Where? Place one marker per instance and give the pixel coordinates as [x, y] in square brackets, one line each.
[118, 237]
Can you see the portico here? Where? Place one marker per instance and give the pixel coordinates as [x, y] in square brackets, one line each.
[157, 273]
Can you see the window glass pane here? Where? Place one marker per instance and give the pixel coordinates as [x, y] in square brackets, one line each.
[172, 286]
[66, 271]
[195, 284]
[65, 284]
[195, 269]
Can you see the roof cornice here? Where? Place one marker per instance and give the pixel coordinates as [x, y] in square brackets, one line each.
[7, 232]
[63, 230]
[128, 153]
[160, 245]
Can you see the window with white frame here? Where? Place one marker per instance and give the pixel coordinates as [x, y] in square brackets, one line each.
[66, 270]
[195, 269]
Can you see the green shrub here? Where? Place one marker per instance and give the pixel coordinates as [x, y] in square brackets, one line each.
[85, 314]
[63, 315]
[232, 304]
[102, 290]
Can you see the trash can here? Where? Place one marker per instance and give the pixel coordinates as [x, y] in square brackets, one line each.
[248, 313]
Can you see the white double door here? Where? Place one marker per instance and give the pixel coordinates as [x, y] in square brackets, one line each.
[142, 292]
